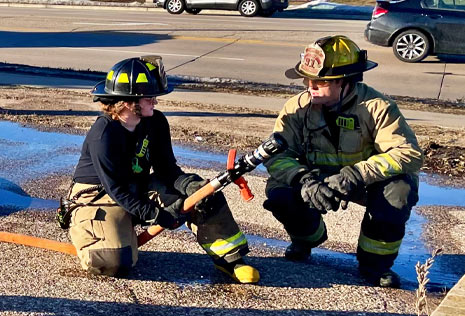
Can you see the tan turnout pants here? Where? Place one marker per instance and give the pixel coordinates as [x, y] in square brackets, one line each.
[106, 243]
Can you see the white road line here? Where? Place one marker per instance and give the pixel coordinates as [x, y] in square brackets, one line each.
[119, 23]
[150, 53]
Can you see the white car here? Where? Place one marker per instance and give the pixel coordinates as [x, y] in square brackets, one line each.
[247, 8]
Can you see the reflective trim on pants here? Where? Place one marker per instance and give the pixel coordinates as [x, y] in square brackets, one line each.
[378, 247]
[223, 246]
[316, 236]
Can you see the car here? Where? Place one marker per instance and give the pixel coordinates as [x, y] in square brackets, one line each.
[246, 8]
[418, 28]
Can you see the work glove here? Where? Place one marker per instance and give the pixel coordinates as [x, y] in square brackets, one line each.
[318, 195]
[190, 184]
[171, 216]
[348, 184]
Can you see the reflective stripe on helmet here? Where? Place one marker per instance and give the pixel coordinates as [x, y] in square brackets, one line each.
[141, 78]
[110, 75]
[378, 247]
[223, 246]
[123, 78]
[150, 66]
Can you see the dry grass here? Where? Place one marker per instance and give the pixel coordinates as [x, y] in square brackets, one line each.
[422, 270]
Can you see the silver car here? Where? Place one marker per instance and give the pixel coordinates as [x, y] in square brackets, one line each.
[247, 8]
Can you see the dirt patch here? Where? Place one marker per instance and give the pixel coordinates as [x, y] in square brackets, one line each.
[219, 128]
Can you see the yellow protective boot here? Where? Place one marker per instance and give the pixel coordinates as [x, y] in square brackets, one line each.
[239, 271]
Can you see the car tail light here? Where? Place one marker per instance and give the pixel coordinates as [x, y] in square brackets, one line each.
[378, 11]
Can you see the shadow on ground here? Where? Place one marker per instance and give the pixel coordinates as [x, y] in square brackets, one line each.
[78, 39]
[62, 306]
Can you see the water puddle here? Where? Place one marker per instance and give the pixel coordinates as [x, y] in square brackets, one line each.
[26, 154]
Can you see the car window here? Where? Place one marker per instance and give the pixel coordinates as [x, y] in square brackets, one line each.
[433, 4]
[445, 4]
[460, 5]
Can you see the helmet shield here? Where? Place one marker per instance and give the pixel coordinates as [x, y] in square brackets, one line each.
[136, 78]
[331, 57]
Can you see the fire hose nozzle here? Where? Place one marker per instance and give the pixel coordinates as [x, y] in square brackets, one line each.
[246, 193]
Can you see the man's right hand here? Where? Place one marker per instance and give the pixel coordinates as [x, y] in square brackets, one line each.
[319, 195]
[171, 216]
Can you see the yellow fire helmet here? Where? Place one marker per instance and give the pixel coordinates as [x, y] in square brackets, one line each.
[331, 57]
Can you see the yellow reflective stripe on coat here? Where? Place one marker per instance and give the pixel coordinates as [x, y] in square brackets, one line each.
[316, 236]
[378, 247]
[339, 159]
[283, 164]
[223, 246]
[386, 165]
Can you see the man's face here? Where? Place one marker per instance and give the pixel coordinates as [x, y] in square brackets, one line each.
[324, 92]
[147, 105]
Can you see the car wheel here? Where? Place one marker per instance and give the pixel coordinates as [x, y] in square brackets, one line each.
[248, 8]
[193, 11]
[411, 46]
[175, 6]
[266, 13]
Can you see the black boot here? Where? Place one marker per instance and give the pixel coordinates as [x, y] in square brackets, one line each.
[382, 278]
[298, 252]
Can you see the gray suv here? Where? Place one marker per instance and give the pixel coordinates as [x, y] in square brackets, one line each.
[245, 7]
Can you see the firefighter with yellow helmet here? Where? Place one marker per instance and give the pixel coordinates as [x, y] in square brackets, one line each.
[347, 142]
[127, 174]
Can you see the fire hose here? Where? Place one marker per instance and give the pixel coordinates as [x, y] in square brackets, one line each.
[234, 173]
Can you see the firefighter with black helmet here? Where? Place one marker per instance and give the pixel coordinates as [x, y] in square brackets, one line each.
[127, 174]
[347, 142]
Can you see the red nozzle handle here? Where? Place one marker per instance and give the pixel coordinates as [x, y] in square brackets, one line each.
[241, 183]
[231, 159]
[245, 190]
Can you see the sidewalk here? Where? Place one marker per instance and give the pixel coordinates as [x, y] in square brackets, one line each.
[454, 303]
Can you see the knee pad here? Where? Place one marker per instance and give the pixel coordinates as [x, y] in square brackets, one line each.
[391, 201]
[111, 262]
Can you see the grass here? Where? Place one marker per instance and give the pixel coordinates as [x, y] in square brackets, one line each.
[422, 270]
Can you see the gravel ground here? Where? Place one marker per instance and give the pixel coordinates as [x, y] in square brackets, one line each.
[173, 275]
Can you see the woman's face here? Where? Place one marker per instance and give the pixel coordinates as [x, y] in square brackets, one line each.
[147, 105]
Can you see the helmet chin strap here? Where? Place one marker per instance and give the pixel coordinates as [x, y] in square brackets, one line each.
[137, 110]
[337, 107]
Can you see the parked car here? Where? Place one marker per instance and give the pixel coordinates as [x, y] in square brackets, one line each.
[247, 8]
[418, 28]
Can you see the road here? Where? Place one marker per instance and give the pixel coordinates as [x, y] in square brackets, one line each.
[206, 45]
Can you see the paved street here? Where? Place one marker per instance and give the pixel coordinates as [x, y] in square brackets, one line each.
[205, 46]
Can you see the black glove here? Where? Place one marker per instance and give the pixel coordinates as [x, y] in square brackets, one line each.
[171, 216]
[348, 184]
[318, 194]
[190, 184]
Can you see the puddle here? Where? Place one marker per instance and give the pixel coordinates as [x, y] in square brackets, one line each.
[26, 154]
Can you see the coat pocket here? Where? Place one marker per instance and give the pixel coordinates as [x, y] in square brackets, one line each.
[351, 141]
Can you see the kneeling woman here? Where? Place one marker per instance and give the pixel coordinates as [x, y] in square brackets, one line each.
[127, 174]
